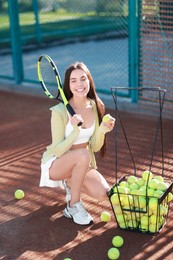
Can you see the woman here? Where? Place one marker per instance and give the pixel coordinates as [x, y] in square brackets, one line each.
[69, 161]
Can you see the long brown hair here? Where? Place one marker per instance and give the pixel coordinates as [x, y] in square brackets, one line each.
[91, 94]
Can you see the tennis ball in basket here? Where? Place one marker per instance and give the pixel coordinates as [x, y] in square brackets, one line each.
[153, 204]
[127, 200]
[124, 184]
[144, 228]
[117, 241]
[142, 202]
[162, 186]
[150, 192]
[132, 179]
[140, 182]
[158, 193]
[115, 199]
[141, 192]
[105, 216]
[145, 220]
[163, 210]
[132, 224]
[153, 228]
[117, 209]
[121, 218]
[153, 183]
[147, 175]
[159, 178]
[19, 194]
[153, 219]
[169, 197]
[113, 253]
[133, 186]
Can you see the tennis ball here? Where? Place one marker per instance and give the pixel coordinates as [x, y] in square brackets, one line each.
[140, 182]
[162, 186]
[163, 210]
[124, 184]
[117, 209]
[145, 220]
[127, 200]
[158, 193]
[153, 183]
[105, 216]
[159, 178]
[153, 228]
[142, 202]
[19, 194]
[141, 192]
[123, 190]
[132, 224]
[132, 179]
[169, 197]
[117, 241]
[147, 175]
[133, 186]
[144, 228]
[121, 218]
[113, 253]
[122, 225]
[106, 118]
[67, 258]
[115, 199]
[150, 192]
[153, 204]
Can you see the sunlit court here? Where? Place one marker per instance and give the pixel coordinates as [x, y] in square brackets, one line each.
[127, 47]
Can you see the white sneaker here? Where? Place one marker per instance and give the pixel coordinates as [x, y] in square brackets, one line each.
[68, 191]
[78, 213]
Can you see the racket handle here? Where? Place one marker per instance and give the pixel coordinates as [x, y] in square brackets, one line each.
[72, 112]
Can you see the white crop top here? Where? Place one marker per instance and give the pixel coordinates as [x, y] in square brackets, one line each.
[84, 135]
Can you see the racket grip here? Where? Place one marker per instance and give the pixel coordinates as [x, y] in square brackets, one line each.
[72, 112]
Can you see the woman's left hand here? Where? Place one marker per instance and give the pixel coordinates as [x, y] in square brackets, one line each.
[109, 124]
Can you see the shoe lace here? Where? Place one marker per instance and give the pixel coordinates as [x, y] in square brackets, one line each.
[82, 209]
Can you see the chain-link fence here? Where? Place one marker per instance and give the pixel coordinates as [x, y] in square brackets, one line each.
[156, 48]
[94, 31]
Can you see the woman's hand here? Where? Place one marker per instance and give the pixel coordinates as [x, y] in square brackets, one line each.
[108, 122]
[76, 119]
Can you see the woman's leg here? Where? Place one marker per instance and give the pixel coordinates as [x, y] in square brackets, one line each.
[73, 165]
[95, 185]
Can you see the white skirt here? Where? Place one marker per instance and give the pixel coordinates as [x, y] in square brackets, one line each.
[45, 180]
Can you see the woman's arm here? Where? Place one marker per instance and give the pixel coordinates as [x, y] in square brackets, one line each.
[60, 145]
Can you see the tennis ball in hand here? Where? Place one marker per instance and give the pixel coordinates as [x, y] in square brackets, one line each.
[19, 194]
[113, 253]
[67, 258]
[106, 118]
[117, 241]
[105, 216]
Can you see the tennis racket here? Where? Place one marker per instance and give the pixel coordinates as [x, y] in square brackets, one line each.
[50, 81]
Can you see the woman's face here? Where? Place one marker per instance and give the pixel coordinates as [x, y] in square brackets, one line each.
[79, 83]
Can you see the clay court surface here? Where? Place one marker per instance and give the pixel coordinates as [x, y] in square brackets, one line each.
[34, 227]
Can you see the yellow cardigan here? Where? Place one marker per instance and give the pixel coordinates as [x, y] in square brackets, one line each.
[60, 144]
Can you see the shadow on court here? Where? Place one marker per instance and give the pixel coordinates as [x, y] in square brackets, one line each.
[34, 227]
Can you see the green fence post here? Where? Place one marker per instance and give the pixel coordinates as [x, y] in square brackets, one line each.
[37, 24]
[133, 50]
[15, 41]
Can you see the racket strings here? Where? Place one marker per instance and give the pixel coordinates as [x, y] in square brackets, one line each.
[49, 77]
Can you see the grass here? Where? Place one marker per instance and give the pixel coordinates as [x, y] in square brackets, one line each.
[60, 25]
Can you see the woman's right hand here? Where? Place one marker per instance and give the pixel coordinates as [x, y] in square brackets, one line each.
[76, 119]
